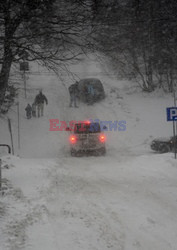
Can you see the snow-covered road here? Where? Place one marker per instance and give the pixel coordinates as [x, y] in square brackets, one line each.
[125, 200]
[122, 207]
[94, 203]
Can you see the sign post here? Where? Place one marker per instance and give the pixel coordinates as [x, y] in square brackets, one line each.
[172, 116]
[0, 175]
[18, 114]
[24, 66]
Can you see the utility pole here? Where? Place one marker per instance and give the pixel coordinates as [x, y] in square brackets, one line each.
[24, 66]
[174, 122]
[18, 114]
[24, 78]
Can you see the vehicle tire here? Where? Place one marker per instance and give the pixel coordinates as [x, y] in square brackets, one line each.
[164, 149]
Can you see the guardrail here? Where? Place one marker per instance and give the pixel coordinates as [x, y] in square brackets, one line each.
[6, 145]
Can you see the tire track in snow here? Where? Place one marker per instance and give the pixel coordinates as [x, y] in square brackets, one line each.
[76, 203]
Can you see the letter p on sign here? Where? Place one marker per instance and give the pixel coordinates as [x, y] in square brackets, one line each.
[172, 114]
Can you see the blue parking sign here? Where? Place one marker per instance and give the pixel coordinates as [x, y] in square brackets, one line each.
[172, 114]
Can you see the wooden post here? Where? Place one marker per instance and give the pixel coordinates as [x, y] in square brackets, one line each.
[11, 137]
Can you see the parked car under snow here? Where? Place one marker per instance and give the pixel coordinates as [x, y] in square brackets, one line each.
[164, 145]
[90, 90]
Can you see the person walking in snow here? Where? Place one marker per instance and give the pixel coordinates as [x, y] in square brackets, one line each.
[40, 99]
[28, 110]
[34, 109]
[73, 91]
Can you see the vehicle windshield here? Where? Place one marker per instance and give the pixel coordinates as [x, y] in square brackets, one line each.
[86, 128]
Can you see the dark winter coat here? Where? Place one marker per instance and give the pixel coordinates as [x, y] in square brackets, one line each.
[28, 108]
[73, 90]
[40, 98]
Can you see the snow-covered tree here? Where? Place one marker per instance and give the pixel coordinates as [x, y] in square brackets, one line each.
[51, 31]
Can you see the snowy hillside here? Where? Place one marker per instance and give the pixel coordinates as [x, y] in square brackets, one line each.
[125, 200]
